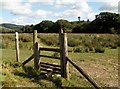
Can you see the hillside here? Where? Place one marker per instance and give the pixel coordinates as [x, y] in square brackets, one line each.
[11, 26]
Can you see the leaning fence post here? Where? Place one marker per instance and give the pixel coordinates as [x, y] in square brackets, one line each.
[36, 50]
[63, 54]
[17, 46]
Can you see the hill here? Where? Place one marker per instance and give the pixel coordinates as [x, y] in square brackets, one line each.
[11, 26]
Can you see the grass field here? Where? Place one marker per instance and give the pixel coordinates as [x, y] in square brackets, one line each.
[102, 67]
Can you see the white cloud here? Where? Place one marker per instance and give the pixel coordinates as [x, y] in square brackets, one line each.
[2, 20]
[41, 1]
[19, 20]
[60, 3]
[109, 6]
[80, 9]
[42, 13]
[20, 8]
[91, 16]
[102, 0]
[17, 7]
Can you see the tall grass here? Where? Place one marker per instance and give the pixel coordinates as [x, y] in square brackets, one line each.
[89, 42]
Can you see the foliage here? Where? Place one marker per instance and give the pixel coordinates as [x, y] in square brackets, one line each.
[50, 39]
[26, 38]
[79, 49]
[99, 49]
[105, 22]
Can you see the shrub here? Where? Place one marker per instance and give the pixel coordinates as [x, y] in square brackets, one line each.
[2, 45]
[79, 49]
[99, 49]
[73, 42]
[50, 40]
[57, 80]
[86, 49]
[31, 72]
[26, 38]
[113, 46]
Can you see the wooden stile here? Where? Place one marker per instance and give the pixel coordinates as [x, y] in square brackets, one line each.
[63, 68]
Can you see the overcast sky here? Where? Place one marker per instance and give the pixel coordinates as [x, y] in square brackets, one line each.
[24, 12]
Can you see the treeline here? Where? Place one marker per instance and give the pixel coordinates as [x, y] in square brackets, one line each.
[105, 22]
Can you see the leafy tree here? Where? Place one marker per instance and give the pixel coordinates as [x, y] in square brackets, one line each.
[44, 26]
[65, 24]
[106, 20]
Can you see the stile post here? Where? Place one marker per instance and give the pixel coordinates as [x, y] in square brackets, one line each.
[63, 54]
[36, 50]
[17, 46]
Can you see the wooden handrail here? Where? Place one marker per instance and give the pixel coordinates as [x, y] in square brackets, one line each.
[84, 73]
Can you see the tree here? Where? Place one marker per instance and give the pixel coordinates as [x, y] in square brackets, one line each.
[79, 18]
[106, 20]
[44, 26]
[65, 24]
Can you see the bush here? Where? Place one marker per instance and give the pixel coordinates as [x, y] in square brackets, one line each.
[2, 45]
[86, 49]
[26, 38]
[113, 46]
[50, 40]
[73, 42]
[79, 49]
[99, 49]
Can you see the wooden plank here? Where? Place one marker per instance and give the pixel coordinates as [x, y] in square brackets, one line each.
[17, 46]
[54, 72]
[51, 67]
[84, 74]
[29, 59]
[49, 56]
[43, 63]
[50, 49]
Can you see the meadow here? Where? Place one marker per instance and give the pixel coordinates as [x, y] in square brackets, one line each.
[97, 54]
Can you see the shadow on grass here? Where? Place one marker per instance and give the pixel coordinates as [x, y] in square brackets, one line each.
[38, 77]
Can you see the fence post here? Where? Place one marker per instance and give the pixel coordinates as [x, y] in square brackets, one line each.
[63, 54]
[36, 50]
[17, 46]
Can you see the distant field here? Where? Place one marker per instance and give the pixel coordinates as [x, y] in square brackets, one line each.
[102, 67]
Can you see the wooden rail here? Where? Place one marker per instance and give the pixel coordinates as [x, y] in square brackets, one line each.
[84, 74]
[51, 67]
[54, 72]
[50, 49]
[41, 63]
[29, 59]
[49, 57]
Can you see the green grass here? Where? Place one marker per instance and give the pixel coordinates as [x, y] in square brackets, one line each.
[100, 62]
[102, 67]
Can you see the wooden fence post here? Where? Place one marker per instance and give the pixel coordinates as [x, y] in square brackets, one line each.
[63, 54]
[17, 46]
[36, 50]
